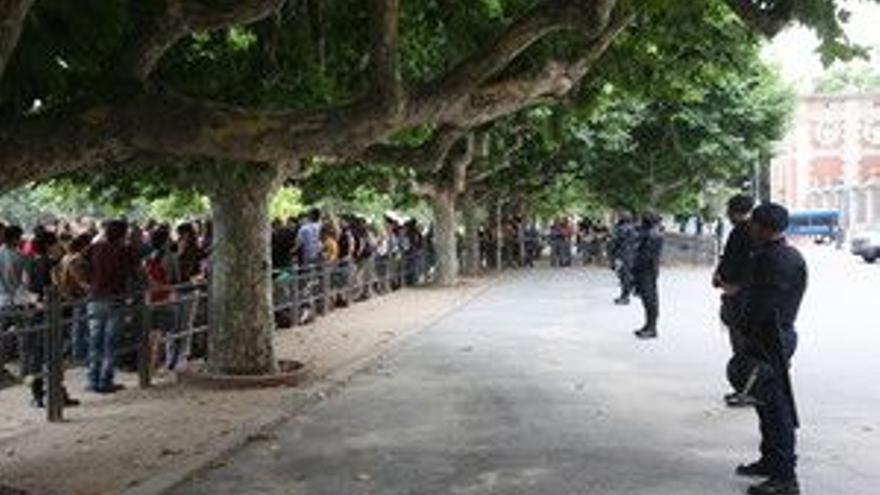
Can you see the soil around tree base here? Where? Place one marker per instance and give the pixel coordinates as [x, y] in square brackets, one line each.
[291, 373]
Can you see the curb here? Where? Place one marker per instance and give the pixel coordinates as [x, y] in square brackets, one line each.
[317, 390]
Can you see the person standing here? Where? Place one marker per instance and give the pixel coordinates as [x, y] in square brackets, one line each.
[623, 247]
[41, 281]
[730, 277]
[160, 268]
[773, 299]
[308, 240]
[646, 270]
[73, 285]
[113, 264]
[13, 291]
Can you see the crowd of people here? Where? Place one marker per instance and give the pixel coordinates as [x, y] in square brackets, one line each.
[362, 258]
[95, 271]
[92, 269]
[522, 243]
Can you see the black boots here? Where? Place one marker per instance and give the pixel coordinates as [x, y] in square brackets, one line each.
[38, 395]
[776, 487]
[773, 486]
[758, 469]
[646, 333]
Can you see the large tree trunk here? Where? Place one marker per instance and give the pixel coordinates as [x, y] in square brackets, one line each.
[445, 245]
[241, 317]
[470, 217]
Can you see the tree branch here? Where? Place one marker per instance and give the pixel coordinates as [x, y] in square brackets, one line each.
[387, 80]
[157, 32]
[428, 156]
[33, 148]
[556, 81]
[459, 165]
[13, 13]
[587, 16]
[494, 165]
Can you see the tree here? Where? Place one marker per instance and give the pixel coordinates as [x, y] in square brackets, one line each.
[653, 154]
[237, 93]
[849, 78]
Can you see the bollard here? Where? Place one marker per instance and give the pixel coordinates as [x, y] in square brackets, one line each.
[54, 359]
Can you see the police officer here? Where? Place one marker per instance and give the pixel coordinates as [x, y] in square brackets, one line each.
[624, 244]
[646, 270]
[731, 276]
[772, 298]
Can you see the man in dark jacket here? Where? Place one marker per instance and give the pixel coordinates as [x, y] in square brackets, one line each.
[731, 277]
[773, 298]
[113, 265]
[623, 247]
[646, 270]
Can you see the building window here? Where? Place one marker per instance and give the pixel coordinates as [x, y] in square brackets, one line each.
[861, 213]
[875, 214]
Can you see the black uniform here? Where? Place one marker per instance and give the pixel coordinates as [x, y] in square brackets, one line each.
[623, 249]
[734, 269]
[646, 270]
[777, 286]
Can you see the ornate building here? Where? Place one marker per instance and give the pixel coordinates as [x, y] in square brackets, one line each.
[830, 159]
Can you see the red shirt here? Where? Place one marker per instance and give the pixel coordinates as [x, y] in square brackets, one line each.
[156, 273]
[112, 266]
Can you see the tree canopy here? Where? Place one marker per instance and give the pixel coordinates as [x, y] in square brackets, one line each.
[123, 83]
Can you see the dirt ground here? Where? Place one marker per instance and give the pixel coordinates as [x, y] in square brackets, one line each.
[112, 443]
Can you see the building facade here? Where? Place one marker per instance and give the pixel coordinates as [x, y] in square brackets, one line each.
[830, 159]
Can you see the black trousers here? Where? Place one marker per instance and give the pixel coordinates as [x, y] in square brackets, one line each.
[777, 417]
[733, 316]
[625, 276]
[646, 285]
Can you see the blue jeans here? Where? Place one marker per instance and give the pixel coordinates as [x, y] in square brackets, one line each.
[104, 320]
[79, 334]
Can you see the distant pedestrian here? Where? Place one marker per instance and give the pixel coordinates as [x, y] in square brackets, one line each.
[646, 271]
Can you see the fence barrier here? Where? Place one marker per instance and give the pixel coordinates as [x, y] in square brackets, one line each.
[47, 337]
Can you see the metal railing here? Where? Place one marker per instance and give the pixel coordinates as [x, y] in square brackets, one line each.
[47, 337]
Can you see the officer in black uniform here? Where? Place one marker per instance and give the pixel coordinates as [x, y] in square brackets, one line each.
[624, 244]
[646, 270]
[731, 277]
[773, 297]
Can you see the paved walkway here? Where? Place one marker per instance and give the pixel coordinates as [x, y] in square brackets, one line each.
[538, 387]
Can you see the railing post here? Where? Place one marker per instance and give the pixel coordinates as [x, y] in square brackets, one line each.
[294, 297]
[325, 288]
[54, 359]
[144, 364]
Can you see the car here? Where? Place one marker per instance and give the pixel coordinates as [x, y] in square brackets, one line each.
[867, 245]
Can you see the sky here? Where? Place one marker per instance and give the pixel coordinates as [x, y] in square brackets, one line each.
[794, 49]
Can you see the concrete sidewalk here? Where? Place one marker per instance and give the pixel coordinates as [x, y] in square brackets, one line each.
[538, 387]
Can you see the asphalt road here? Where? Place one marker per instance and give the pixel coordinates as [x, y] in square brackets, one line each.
[538, 387]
